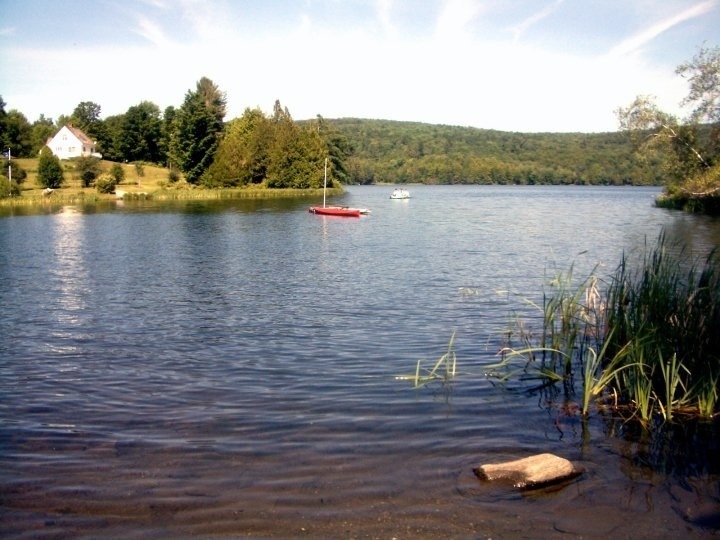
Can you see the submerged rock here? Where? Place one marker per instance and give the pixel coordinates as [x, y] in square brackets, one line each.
[529, 472]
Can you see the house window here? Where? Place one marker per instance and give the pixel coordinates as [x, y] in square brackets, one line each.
[71, 149]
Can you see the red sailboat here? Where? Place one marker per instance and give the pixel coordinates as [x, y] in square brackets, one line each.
[342, 211]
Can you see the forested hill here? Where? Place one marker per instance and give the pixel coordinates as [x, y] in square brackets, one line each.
[411, 152]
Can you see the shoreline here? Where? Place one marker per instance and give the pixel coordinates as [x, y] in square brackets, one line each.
[91, 196]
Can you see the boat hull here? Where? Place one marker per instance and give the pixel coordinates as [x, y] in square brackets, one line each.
[334, 211]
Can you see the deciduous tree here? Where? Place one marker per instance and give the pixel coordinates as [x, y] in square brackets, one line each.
[140, 134]
[86, 116]
[113, 128]
[703, 74]
[689, 149]
[41, 130]
[17, 134]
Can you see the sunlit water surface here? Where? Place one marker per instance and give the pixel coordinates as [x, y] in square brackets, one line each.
[229, 368]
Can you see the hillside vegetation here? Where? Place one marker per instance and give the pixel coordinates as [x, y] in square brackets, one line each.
[386, 151]
[140, 181]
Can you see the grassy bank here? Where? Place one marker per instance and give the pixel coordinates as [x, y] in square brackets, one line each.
[146, 182]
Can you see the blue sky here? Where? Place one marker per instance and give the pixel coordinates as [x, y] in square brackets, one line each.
[513, 65]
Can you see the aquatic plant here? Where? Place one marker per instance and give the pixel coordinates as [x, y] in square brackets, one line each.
[646, 346]
[444, 369]
[566, 343]
[669, 310]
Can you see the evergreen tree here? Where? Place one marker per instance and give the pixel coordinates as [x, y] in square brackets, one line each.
[4, 141]
[338, 147]
[50, 171]
[242, 155]
[166, 131]
[197, 128]
[297, 155]
[214, 100]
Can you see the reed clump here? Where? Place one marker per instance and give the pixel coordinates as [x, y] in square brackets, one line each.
[444, 369]
[644, 344]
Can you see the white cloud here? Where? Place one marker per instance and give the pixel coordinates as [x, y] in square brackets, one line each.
[637, 41]
[383, 10]
[454, 17]
[520, 28]
[361, 67]
[162, 4]
[152, 32]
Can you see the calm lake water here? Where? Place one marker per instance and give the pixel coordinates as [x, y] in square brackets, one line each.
[229, 368]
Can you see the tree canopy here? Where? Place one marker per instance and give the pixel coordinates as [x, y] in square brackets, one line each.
[402, 152]
[197, 129]
[688, 150]
[274, 151]
[139, 134]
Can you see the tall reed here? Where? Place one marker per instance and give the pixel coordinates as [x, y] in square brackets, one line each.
[649, 342]
[669, 310]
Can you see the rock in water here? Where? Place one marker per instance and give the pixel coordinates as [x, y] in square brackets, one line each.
[529, 472]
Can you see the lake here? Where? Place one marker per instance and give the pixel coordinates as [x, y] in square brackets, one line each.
[176, 369]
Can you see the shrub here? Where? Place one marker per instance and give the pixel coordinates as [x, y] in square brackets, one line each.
[117, 172]
[105, 183]
[8, 189]
[88, 169]
[18, 173]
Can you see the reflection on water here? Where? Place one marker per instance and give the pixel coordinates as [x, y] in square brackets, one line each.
[682, 450]
[228, 368]
[67, 268]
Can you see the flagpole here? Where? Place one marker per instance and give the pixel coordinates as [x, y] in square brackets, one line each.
[9, 166]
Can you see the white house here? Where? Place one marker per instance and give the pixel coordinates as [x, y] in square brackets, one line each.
[71, 142]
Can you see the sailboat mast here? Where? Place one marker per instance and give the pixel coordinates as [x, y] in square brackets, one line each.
[325, 183]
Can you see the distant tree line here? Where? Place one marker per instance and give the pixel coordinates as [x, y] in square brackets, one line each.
[403, 152]
[276, 152]
[194, 140]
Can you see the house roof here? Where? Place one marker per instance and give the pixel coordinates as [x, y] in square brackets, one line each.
[79, 133]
